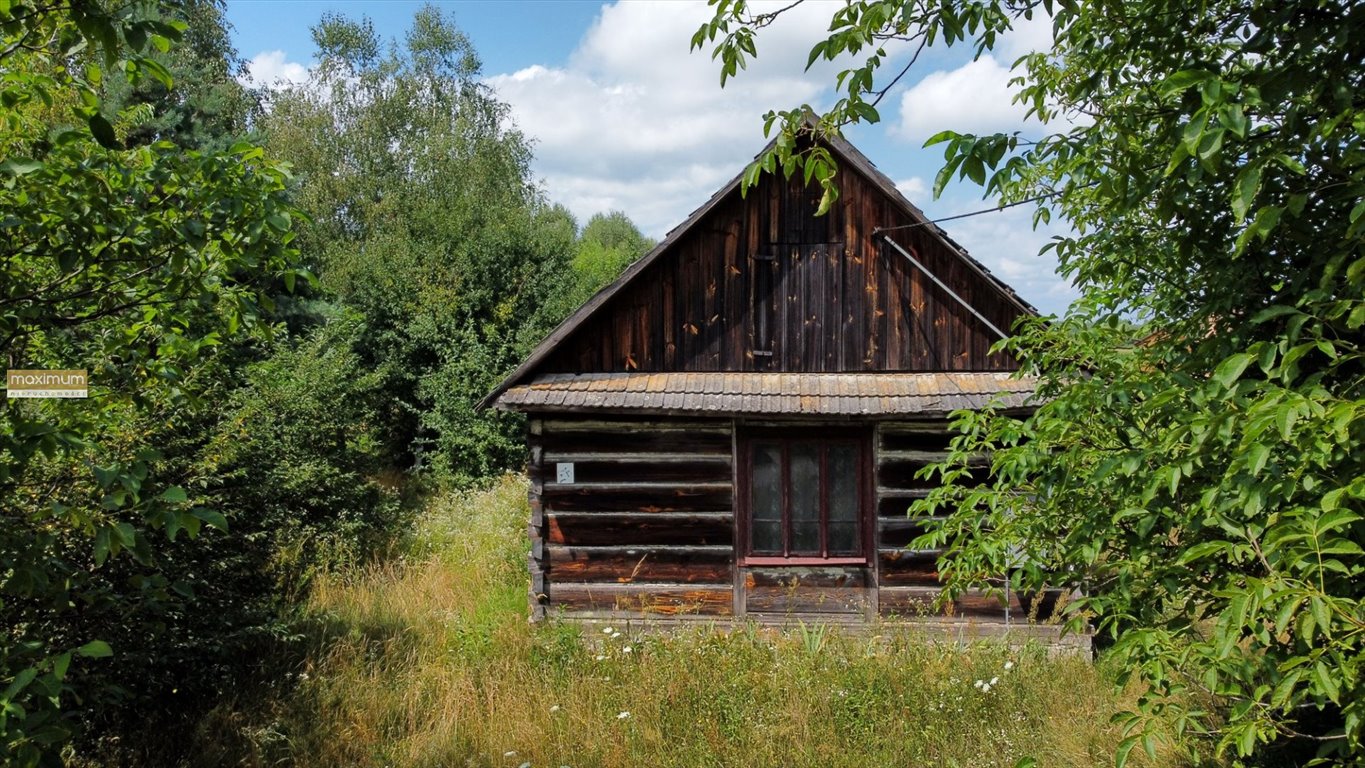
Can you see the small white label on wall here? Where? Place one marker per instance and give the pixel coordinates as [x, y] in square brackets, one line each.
[564, 473]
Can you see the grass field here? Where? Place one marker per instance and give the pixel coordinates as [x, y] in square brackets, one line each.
[430, 661]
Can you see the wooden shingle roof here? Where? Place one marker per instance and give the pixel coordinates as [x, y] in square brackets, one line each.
[773, 394]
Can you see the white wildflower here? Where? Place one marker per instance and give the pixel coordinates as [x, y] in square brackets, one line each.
[600, 657]
[555, 708]
[622, 715]
[986, 688]
[510, 753]
[607, 630]
[1009, 665]
[626, 649]
[994, 680]
[978, 684]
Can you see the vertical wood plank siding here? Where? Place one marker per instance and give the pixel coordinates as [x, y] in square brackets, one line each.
[647, 527]
[844, 301]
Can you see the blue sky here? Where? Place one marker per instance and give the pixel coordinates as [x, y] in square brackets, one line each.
[623, 117]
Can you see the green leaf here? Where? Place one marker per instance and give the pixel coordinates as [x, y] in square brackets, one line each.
[1201, 551]
[95, 649]
[18, 684]
[19, 166]
[940, 137]
[1248, 184]
[60, 665]
[1183, 80]
[212, 518]
[278, 220]
[103, 132]
[174, 494]
[1231, 368]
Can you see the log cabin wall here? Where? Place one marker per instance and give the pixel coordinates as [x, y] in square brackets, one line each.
[761, 284]
[907, 578]
[647, 526]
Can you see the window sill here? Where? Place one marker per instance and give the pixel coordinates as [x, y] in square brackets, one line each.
[748, 561]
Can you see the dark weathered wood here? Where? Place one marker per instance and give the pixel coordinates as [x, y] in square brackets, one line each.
[806, 576]
[596, 529]
[919, 601]
[818, 600]
[838, 289]
[928, 440]
[899, 531]
[605, 468]
[644, 439]
[626, 565]
[908, 567]
[662, 497]
[638, 599]
[810, 589]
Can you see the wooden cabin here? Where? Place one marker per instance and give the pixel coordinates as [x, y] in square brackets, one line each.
[732, 428]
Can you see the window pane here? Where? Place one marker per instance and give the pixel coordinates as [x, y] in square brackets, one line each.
[843, 483]
[843, 538]
[843, 499]
[765, 496]
[805, 499]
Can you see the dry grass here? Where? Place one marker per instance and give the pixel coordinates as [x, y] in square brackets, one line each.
[431, 662]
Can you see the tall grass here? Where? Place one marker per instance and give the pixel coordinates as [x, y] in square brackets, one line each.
[431, 662]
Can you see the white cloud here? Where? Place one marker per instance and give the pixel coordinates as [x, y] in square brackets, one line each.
[636, 121]
[974, 98]
[1026, 36]
[273, 69]
[915, 189]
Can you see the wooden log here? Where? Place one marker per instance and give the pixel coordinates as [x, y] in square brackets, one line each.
[627, 565]
[925, 441]
[627, 529]
[896, 503]
[639, 468]
[660, 498]
[908, 567]
[643, 600]
[807, 589]
[801, 599]
[643, 440]
[806, 576]
[975, 605]
[899, 531]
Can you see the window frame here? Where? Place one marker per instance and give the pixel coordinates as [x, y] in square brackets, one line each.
[865, 519]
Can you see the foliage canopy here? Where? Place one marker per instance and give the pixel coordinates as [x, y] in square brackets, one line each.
[424, 218]
[1197, 463]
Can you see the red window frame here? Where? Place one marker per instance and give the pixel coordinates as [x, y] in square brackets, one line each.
[786, 437]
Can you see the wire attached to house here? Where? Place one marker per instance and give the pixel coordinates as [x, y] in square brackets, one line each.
[981, 212]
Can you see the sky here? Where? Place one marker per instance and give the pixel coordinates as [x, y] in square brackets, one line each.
[622, 116]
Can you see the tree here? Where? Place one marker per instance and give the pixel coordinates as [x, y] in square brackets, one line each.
[205, 108]
[1198, 459]
[424, 219]
[609, 243]
[136, 263]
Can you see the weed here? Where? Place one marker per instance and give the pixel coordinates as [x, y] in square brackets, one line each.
[432, 662]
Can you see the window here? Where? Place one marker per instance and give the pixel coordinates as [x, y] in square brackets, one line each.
[764, 264]
[803, 496]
